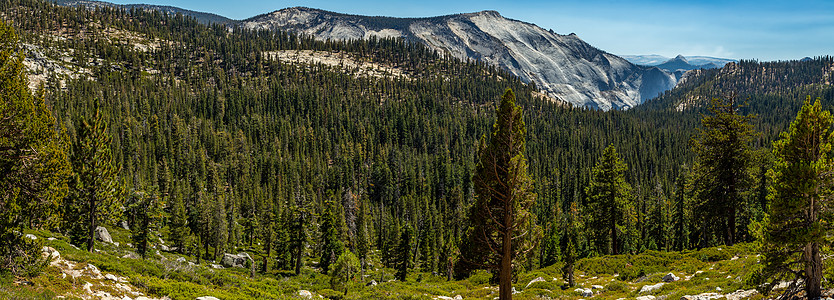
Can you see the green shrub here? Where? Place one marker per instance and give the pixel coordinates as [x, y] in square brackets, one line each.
[331, 294]
[480, 277]
[616, 286]
[544, 285]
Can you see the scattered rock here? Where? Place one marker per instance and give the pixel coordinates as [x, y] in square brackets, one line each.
[103, 235]
[207, 298]
[372, 283]
[734, 258]
[87, 288]
[92, 271]
[538, 279]
[235, 261]
[649, 297]
[181, 259]
[585, 292]
[216, 266]
[124, 225]
[597, 287]
[514, 291]
[457, 297]
[111, 277]
[670, 278]
[49, 251]
[741, 294]
[131, 255]
[163, 248]
[704, 296]
[305, 294]
[718, 288]
[30, 236]
[51, 238]
[651, 287]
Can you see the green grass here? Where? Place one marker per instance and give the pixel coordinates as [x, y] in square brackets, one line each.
[621, 276]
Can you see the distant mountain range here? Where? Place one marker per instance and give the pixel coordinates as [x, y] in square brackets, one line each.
[679, 62]
[563, 66]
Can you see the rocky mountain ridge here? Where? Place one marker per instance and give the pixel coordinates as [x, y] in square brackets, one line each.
[563, 66]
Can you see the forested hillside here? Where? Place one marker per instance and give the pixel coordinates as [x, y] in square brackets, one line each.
[219, 147]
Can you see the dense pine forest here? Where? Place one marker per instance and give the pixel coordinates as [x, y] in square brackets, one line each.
[193, 136]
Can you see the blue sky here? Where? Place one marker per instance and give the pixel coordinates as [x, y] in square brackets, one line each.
[764, 30]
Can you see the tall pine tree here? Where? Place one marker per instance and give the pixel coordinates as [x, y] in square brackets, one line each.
[801, 213]
[611, 203]
[500, 229]
[97, 192]
[722, 172]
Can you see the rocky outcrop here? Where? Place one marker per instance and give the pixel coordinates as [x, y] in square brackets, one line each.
[235, 261]
[102, 235]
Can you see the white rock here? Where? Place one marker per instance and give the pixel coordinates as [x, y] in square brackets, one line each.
[597, 287]
[51, 238]
[444, 298]
[651, 287]
[458, 297]
[305, 294]
[102, 235]
[704, 296]
[92, 271]
[585, 292]
[538, 279]
[649, 297]
[47, 251]
[734, 258]
[31, 236]
[216, 266]
[111, 277]
[670, 277]
[718, 288]
[207, 298]
[88, 288]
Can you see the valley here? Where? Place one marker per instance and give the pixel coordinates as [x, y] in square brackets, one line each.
[153, 152]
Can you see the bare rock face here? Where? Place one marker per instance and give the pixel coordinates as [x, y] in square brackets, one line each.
[563, 66]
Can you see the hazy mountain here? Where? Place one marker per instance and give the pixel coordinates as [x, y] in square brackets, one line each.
[679, 63]
[564, 66]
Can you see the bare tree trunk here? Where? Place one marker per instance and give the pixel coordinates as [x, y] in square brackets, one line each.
[731, 226]
[505, 287]
[813, 270]
[298, 258]
[92, 215]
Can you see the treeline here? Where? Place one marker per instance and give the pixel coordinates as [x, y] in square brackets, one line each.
[296, 162]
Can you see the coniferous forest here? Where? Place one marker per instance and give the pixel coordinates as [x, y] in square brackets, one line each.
[191, 144]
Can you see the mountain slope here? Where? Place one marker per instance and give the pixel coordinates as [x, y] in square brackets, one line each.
[564, 66]
[202, 17]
